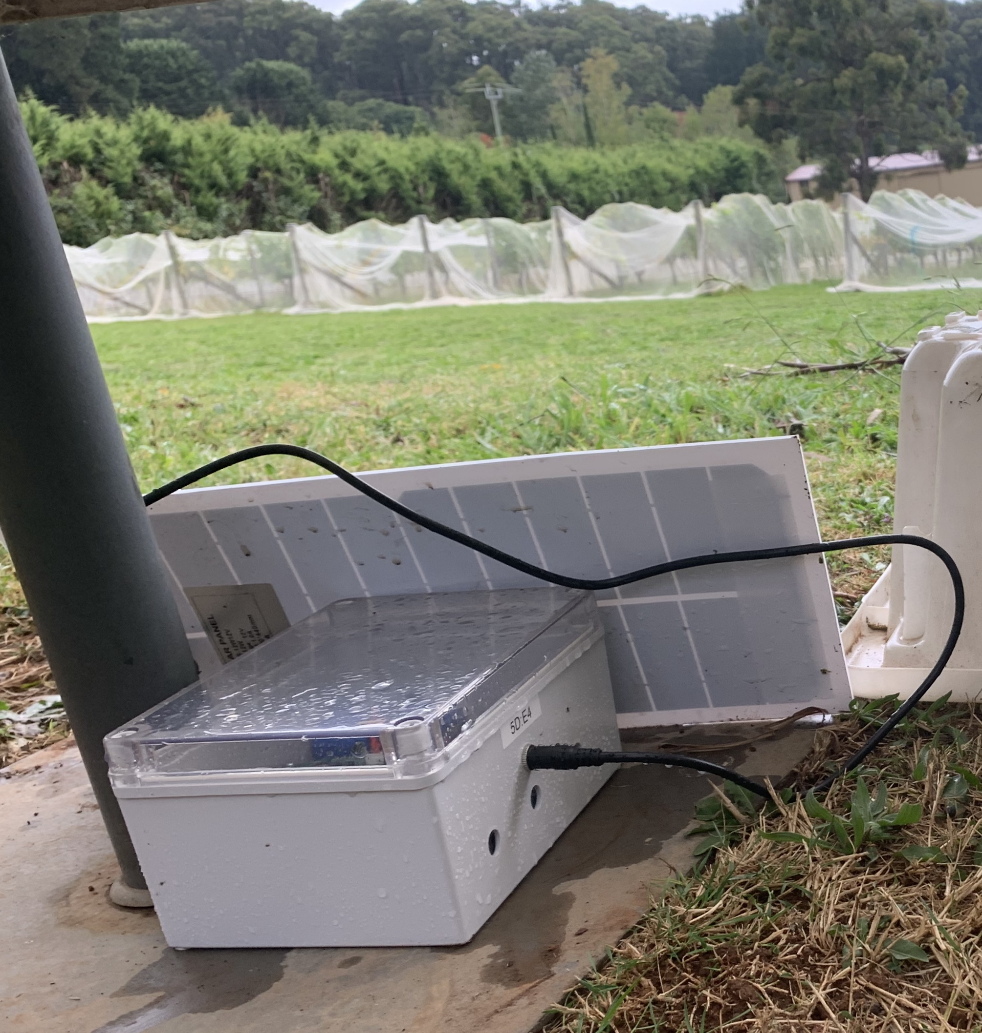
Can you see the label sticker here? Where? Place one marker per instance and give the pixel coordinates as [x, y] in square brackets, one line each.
[520, 719]
[237, 618]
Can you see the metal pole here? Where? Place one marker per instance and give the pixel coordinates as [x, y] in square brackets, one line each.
[848, 273]
[493, 277]
[175, 264]
[494, 95]
[291, 229]
[70, 507]
[559, 242]
[701, 257]
[431, 289]
[254, 266]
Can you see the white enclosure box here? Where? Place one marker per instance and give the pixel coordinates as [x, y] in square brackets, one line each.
[358, 780]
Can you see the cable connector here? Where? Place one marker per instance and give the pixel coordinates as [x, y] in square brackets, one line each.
[564, 758]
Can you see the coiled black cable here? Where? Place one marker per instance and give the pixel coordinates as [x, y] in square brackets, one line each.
[575, 756]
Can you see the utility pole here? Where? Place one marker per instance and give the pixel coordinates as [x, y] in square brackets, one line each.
[494, 93]
[70, 508]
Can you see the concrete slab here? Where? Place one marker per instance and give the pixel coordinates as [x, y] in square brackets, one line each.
[74, 963]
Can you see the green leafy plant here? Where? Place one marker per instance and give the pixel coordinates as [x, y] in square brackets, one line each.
[868, 822]
[722, 819]
[905, 950]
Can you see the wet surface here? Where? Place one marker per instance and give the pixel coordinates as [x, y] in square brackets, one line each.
[624, 825]
[76, 964]
[355, 669]
[195, 982]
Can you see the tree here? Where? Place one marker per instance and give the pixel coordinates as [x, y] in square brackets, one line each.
[718, 116]
[655, 122]
[526, 114]
[74, 63]
[229, 33]
[375, 114]
[567, 117]
[172, 76]
[853, 81]
[279, 90]
[644, 68]
[410, 53]
[963, 59]
[688, 44]
[605, 101]
[737, 44]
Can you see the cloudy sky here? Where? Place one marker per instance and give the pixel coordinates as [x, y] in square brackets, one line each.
[673, 7]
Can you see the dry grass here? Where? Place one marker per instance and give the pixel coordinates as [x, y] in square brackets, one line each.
[24, 671]
[793, 926]
[24, 677]
[25, 674]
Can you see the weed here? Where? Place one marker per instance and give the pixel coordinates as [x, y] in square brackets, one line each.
[857, 912]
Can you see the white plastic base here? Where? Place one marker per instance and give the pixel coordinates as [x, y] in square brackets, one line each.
[864, 639]
[330, 861]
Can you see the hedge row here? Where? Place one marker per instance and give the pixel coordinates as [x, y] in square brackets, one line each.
[206, 177]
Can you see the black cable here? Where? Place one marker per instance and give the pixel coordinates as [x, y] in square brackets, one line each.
[619, 580]
[566, 758]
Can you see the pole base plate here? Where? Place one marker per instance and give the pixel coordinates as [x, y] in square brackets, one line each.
[125, 896]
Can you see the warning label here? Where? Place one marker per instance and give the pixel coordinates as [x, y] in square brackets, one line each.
[237, 618]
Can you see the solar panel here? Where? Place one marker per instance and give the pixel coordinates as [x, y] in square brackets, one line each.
[738, 641]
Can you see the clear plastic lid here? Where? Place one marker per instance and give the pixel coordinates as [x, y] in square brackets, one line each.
[362, 682]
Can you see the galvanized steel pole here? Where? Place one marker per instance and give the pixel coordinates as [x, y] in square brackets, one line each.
[70, 507]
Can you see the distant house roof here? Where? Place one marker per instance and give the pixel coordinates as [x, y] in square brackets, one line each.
[804, 174]
[890, 163]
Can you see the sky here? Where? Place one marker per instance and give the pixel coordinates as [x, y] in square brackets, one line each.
[672, 7]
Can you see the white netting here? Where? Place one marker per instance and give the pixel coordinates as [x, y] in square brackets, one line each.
[626, 250]
[372, 264]
[752, 242]
[623, 250]
[899, 241]
[909, 241]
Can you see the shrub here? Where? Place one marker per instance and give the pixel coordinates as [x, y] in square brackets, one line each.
[207, 177]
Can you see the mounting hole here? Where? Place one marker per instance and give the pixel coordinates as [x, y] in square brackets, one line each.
[493, 841]
[534, 797]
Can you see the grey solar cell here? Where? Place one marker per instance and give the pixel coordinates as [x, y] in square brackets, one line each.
[736, 641]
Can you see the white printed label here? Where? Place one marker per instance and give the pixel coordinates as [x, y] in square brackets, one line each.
[238, 618]
[520, 719]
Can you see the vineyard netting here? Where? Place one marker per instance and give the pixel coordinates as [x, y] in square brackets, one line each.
[900, 240]
[908, 241]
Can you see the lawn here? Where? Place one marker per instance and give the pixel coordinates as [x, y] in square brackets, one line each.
[854, 913]
[401, 388]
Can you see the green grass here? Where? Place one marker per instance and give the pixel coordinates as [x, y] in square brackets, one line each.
[854, 911]
[428, 386]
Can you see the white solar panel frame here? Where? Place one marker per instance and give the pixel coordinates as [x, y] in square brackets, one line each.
[583, 513]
